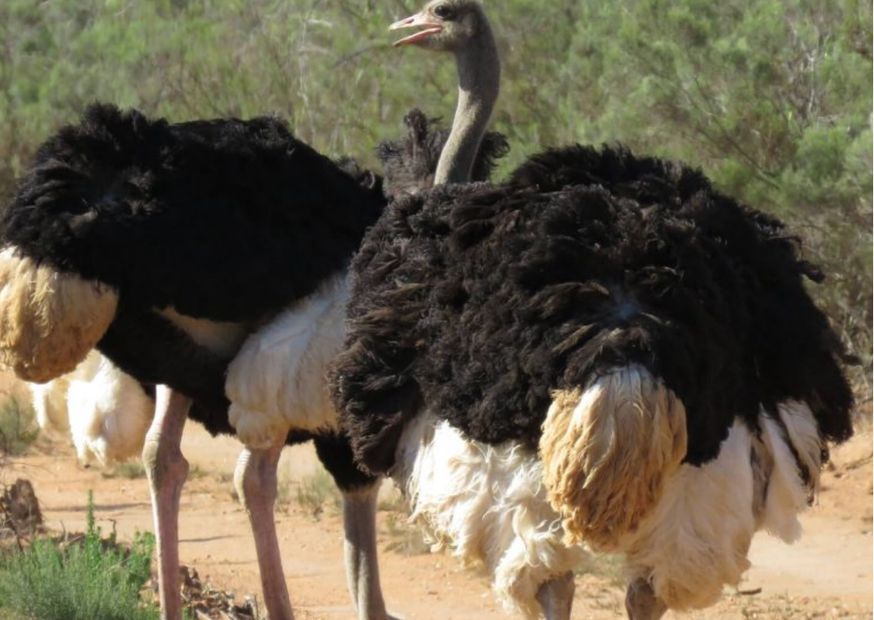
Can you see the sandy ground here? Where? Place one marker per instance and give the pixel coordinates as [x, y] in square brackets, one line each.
[828, 574]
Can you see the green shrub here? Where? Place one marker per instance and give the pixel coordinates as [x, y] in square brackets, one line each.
[91, 579]
[771, 98]
[17, 426]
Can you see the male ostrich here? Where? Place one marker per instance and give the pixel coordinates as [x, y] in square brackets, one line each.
[601, 351]
[106, 412]
[166, 245]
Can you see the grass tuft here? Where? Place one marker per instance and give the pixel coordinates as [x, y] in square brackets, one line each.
[313, 494]
[93, 578]
[403, 537]
[129, 470]
[609, 566]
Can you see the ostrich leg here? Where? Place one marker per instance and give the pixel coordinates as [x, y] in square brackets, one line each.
[255, 480]
[360, 492]
[641, 603]
[167, 469]
[359, 549]
[556, 597]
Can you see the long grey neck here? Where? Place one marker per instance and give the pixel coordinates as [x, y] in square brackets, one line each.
[479, 77]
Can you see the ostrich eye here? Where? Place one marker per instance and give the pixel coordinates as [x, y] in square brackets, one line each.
[444, 12]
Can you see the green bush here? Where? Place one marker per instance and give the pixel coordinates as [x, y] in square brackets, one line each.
[17, 427]
[771, 98]
[92, 579]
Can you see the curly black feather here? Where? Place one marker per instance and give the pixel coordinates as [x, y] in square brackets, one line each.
[226, 219]
[476, 301]
[410, 162]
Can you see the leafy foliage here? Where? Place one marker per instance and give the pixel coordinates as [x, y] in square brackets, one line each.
[772, 98]
[94, 578]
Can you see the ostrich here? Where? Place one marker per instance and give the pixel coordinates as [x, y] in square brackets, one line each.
[106, 412]
[165, 246]
[601, 352]
[173, 248]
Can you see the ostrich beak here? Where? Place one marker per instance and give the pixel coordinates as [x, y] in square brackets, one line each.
[419, 20]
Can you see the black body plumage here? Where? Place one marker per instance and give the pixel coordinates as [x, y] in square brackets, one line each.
[409, 164]
[478, 300]
[227, 220]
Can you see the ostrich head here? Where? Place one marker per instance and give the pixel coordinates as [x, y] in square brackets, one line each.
[445, 25]
[460, 27]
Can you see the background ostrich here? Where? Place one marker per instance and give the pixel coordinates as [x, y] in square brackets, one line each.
[105, 411]
[134, 227]
[166, 245]
[602, 351]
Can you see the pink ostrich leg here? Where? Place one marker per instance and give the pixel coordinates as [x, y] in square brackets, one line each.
[166, 470]
[255, 480]
[360, 552]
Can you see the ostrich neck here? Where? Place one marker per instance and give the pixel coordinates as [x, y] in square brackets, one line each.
[479, 75]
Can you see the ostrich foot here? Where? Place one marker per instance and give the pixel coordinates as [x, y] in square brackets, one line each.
[641, 603]
[359, 548]
[556, 597]
[166, 470]
[255, 481]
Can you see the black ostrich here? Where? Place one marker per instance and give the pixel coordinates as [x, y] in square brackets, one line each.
[601, 351]
[171, 246]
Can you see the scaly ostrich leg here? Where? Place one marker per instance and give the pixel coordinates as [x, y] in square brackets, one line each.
[641, 603]
[166, 470]
[359, 548]
[360, 493]
[556, 597]
[255, 481]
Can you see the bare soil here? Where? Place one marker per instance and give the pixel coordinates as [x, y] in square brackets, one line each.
[828, 574]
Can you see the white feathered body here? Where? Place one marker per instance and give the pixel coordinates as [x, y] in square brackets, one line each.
[106, 411]
[278, 380]
[489, 503]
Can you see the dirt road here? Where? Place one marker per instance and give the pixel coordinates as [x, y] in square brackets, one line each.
[828, 574]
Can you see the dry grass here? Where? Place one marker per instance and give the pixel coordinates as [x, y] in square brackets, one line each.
[607, 566]
[129, 470]
[313, 494]
[401, 536]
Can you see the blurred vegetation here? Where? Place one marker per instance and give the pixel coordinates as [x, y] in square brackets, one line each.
[771, 98]
[18, 427]
[129, 470]
[92, 578]
[313, 494]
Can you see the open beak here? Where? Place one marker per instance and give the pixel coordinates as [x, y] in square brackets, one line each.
[419, 20]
